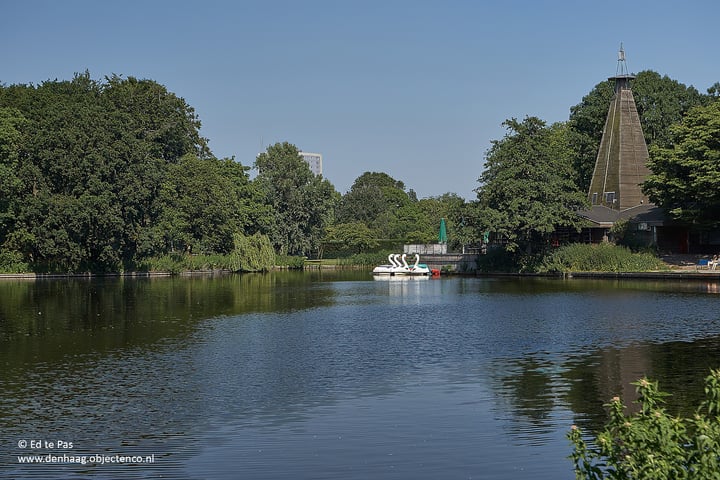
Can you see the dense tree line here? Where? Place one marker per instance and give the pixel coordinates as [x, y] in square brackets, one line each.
[86, 162]
[99, 175]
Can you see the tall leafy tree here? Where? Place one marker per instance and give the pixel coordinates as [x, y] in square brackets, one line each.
[713, 92]
[68, 220]
[301, 203]
[686, 172]
[527, 188]
[11, 181]
[92, 161]
[371, 195]
[382, 204]
[201, 204]
[153, 130]
[354, 236]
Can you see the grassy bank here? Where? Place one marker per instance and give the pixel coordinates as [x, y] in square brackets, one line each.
[566, 259]
[604, 257]
[572, 258]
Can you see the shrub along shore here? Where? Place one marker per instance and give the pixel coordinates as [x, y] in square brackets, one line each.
[575, 260]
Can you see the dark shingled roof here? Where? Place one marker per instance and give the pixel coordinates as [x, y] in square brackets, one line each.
[601, 215]
[645, 213]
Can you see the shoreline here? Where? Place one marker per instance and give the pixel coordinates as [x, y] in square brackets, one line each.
[680, 267]
[43, 276]
[669, 275]
[675, 274]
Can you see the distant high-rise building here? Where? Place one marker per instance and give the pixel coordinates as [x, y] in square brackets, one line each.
[314, 161]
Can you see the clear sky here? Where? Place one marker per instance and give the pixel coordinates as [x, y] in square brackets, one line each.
[412, 88]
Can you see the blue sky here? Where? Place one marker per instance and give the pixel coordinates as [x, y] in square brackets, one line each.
[416, 89]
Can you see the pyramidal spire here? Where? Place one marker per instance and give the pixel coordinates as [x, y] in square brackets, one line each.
[620, 166]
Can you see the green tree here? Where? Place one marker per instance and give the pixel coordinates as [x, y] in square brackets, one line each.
[371, 195]
[355, 236]
[252, 253]
[93, 157]
[202, 203]
[67, 217]
[527, 188]
[154, 129]
[714, 91]
[11, 183]
[686, 172]
[382, 204]
[301, 204]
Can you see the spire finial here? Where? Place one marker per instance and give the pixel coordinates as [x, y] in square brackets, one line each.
[622, 64]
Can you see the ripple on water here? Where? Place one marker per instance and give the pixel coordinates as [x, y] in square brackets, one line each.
[436, 379]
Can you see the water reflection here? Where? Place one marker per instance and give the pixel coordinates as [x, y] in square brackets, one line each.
[462, 375]
[536, 386]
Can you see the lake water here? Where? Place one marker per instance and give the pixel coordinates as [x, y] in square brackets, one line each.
[331, 375]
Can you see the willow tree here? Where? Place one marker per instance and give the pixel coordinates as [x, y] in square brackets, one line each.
[252, 253]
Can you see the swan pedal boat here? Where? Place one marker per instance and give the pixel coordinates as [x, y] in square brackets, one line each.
[398, 266]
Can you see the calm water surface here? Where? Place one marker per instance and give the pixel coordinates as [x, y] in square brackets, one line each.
[333, 375]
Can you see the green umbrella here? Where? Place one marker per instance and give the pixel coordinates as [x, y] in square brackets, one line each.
[442, 237]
